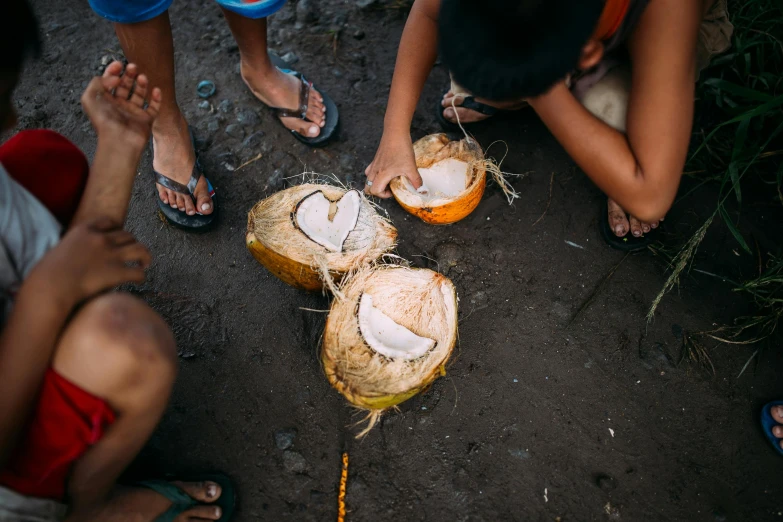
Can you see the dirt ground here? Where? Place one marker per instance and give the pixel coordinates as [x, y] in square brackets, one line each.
[561, 402]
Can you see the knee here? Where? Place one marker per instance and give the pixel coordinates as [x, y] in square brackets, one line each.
[119, 349]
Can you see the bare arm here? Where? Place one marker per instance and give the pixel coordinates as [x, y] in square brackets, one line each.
[640, 170]
[415, 58]
[123, 127]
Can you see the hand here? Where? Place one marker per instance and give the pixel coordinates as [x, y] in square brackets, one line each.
[121, 105]
[91, 258]
[394, 158]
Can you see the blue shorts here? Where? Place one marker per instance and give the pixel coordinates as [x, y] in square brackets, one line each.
[133, 11]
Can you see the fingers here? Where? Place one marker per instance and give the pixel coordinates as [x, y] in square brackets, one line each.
[120, 238]
[135, 253]
[154, 103]
[125, 89]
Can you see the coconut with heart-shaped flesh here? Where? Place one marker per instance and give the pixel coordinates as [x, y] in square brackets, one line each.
[389, 335]
[453, 177]
[311, 235]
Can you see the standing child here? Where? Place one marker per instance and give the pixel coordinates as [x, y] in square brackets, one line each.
[85, 375]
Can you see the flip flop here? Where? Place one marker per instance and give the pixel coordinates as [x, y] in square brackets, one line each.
[627, 243]
[197, 222]
[468, 102]
[768, 422]
[181, 501]
[332, 114]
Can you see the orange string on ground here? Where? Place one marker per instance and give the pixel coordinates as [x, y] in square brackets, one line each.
[343, 484]
[611, 18]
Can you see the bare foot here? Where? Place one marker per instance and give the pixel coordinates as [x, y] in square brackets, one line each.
[777, 431]
[174, 157]
[469, 115]
[621, 223]
[145, 505]
[277, 89]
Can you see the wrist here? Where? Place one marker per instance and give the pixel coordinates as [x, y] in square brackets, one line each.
[47, 292]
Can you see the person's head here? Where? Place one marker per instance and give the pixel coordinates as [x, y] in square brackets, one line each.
[18, 40]
[512, 49]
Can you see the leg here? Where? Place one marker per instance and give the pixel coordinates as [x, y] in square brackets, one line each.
[149, 44]
[777, 431]
[267, 83]
[120, 350]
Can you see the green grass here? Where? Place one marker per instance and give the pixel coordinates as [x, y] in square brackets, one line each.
[737, 135]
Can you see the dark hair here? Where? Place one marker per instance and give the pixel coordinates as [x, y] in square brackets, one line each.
[19, 36]
[511, 49]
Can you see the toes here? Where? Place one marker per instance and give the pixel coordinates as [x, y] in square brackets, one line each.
[654, 225]
[206, 491]
[203, 199]
[305, 128]
[636, 227]
[180, 202]
[202, 513]
[618, 222]
[777, 431]
[163, 194]
[645, 227]
[190, 206]
[777, 414]
[449, 115]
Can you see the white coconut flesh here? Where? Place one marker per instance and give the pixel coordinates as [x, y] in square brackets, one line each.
[388, 338]
[327, 222]
[445, 179]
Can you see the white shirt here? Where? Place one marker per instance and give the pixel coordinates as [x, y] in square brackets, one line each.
[27, 231]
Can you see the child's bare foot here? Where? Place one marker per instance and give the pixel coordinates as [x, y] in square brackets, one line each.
[777, 415]
[472, 116]
[174, 157]
[145, 505]
[621, 223]
[277, 89]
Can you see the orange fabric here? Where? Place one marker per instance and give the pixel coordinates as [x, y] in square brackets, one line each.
[611, 18]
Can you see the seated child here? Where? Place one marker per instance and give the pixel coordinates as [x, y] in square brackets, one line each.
[550, 54]
[85, 375]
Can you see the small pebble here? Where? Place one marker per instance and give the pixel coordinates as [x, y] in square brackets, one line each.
[294, 462]
[235, 131]
[204, 105]
[284, 438]
[358, 34]
[253, 141]
[213, 126]
[248, 118]
[225, 106]
[290, 58]
[364, 4]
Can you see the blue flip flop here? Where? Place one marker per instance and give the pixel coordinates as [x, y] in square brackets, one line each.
[329, 130]
[767, 423]
[181, 501]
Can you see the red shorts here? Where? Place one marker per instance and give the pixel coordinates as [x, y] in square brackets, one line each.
[66, 420]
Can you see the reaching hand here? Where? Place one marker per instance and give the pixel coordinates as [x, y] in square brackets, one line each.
[394, 158]
[91, 258]
[122, 105]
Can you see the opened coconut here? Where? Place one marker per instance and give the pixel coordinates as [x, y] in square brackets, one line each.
[311, 235]
[389, 336]
[454, 177]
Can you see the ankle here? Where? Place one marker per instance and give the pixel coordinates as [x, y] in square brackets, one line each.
[170, 126]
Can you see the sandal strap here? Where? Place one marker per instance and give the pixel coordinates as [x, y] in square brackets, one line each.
[469, 102]
[176, 186]
[180, 501]
[304, 97]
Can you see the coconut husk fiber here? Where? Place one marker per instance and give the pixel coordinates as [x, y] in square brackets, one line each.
[421, 300]
[277, 243]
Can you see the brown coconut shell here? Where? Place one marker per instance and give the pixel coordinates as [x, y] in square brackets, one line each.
[421, 300]
[428, 151]
[277, 243]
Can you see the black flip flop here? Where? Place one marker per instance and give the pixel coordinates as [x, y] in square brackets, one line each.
[627, 243]
[181, 501]
[197, 222]
[329, 130]
[468, 102]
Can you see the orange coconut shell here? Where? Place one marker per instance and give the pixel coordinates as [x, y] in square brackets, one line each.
[432, 149]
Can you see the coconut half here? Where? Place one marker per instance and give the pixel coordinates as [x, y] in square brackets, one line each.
[311, 235]
[389, 336]
[326, 222]
[453, 176]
